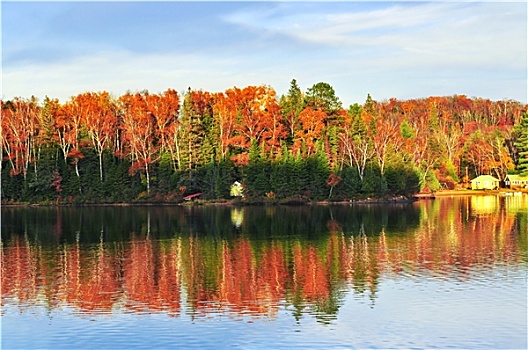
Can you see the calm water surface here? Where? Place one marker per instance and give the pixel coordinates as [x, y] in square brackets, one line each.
[446, 273]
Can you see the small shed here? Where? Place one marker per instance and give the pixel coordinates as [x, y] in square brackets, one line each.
[516, 181]
[237, 190]
[485, 182]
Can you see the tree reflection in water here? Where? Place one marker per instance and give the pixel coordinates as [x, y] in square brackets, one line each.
[206, 261]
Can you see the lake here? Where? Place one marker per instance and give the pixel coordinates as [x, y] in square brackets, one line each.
[443, 273]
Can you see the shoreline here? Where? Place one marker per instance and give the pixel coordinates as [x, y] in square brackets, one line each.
[235, 202]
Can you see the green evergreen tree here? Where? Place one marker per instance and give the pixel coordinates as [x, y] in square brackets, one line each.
[372, 181]
[401, 179]
[215, 180]
[164, 173]
[316, 172]
[257, 173]
[358, 127]
[322, 96]
[192, 132]
[522, 145]
[350, 185]
[370, 105]
[412, 181]
[406, 130]
[291, 106]
[46, 118]
[395, 180]
[209, 148]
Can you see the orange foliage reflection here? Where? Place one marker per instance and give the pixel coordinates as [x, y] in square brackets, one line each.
[254, 278]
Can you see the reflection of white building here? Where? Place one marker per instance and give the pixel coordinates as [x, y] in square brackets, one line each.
[237, 216]
[516, 202]
[484, 204]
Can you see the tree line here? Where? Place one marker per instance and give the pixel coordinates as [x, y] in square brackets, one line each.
[160, 147]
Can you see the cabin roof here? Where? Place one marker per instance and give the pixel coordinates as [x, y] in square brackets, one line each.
[516, 177]
[485, 178]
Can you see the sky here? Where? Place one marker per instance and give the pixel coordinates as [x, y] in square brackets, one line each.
[396, 49]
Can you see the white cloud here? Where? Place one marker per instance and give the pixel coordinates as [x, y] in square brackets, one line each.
[418, 34]
[404, 50]
[116, 72]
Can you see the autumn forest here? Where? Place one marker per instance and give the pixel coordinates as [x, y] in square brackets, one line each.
[160, 147]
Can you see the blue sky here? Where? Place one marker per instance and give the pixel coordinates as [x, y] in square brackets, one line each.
[388, 49]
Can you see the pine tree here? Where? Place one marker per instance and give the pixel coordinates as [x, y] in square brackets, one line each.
[370, 105]
[195, 117]
[291, 106]
[322, 96]
[522, 145]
